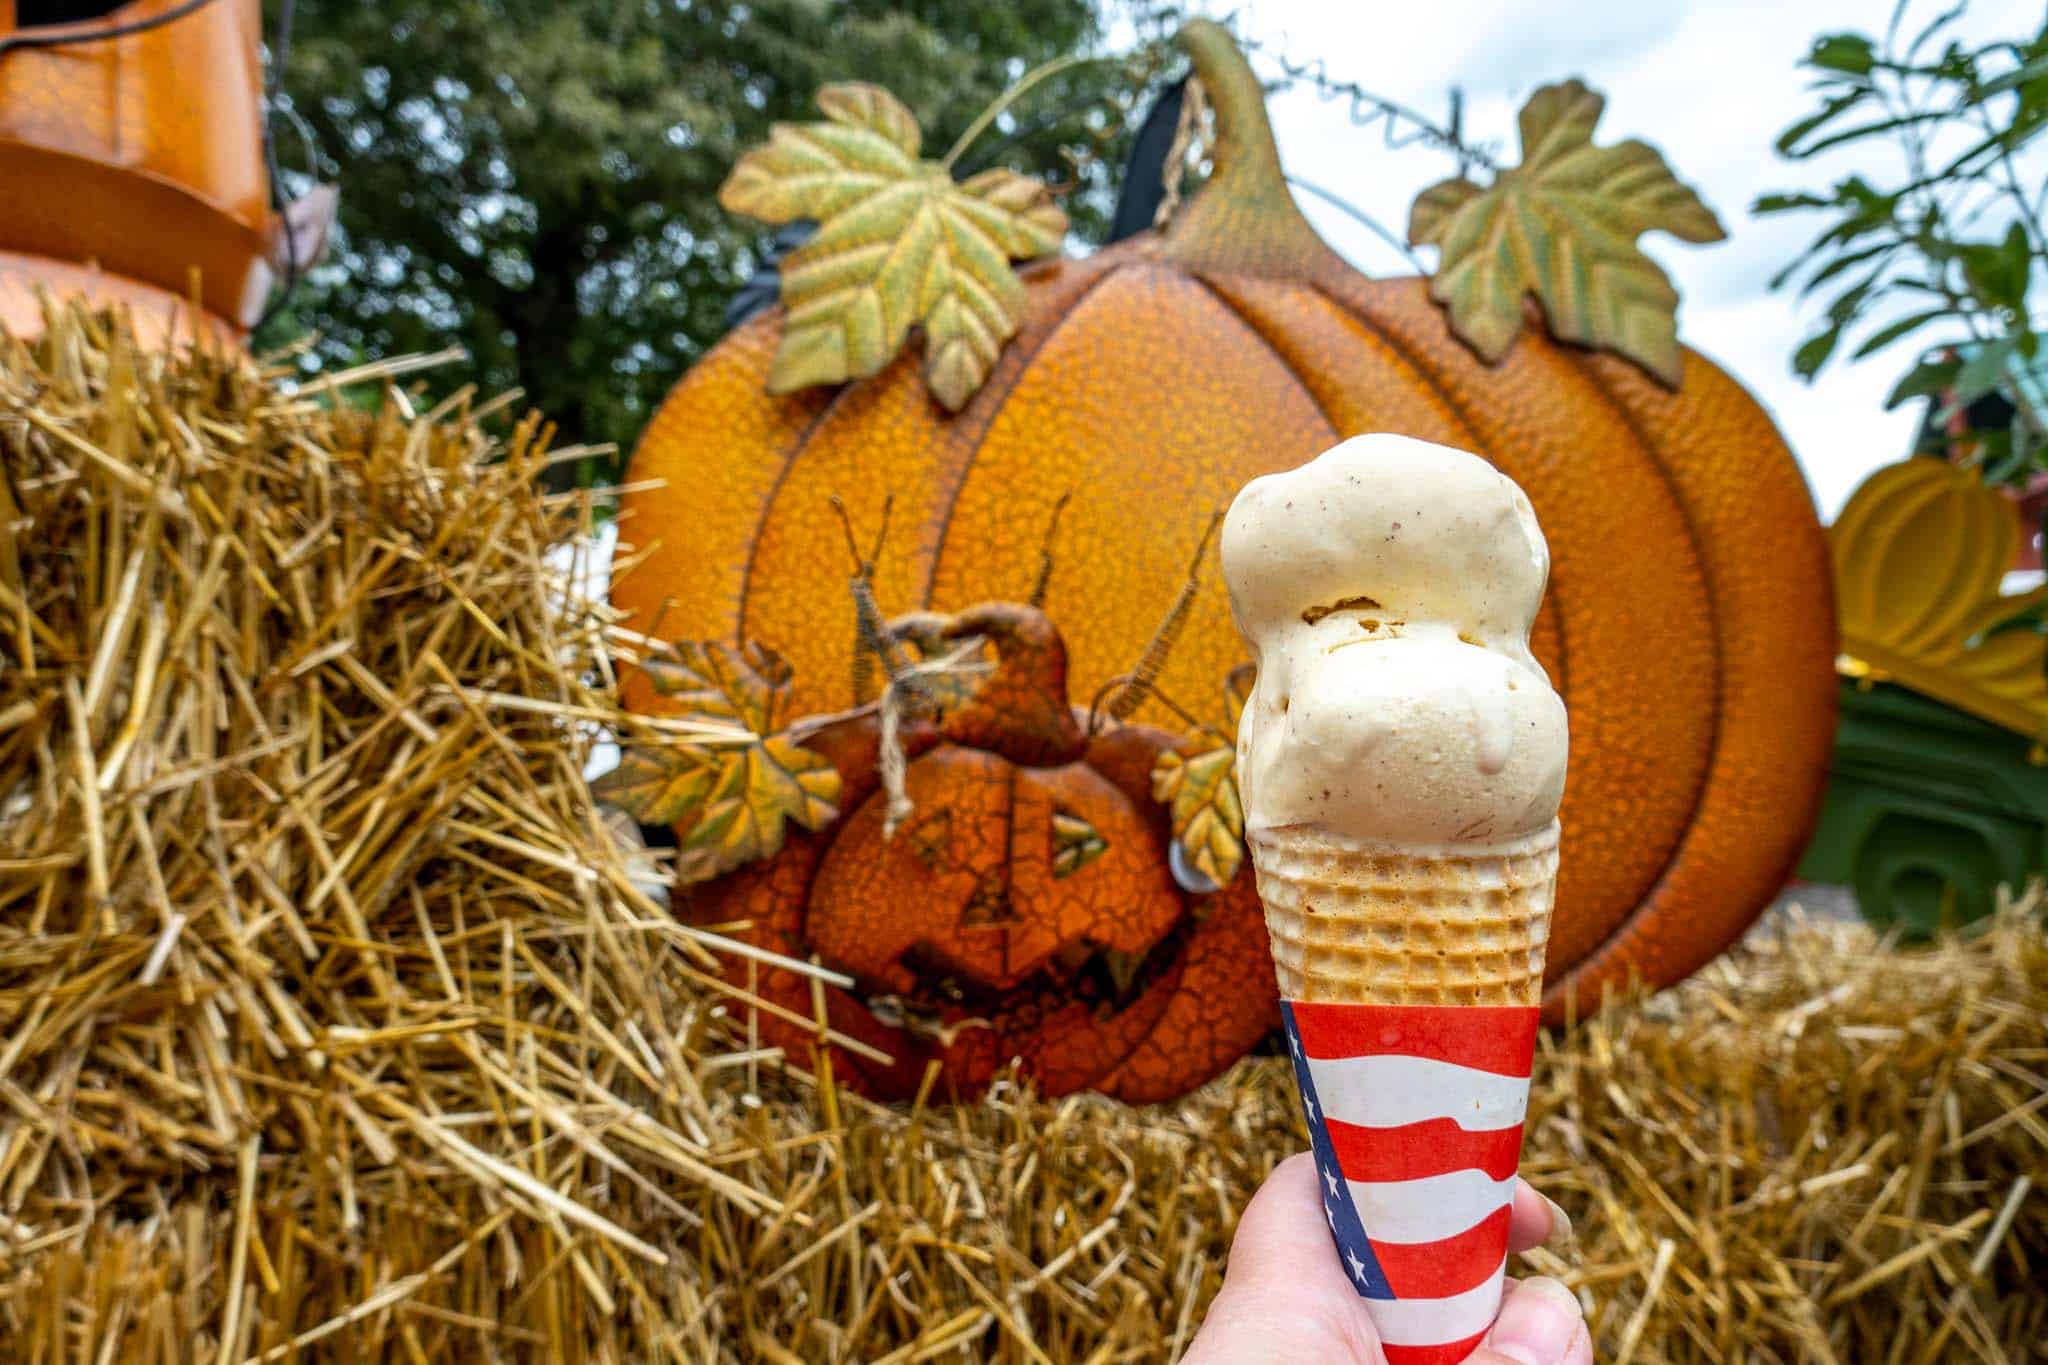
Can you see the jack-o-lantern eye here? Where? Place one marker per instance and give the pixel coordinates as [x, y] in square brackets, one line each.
[1075, 843]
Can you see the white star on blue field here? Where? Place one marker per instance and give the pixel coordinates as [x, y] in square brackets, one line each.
[1338, 1210]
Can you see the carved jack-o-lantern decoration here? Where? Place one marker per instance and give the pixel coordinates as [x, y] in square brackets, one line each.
[1023, 907]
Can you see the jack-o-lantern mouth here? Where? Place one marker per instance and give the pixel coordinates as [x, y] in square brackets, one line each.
[1019, 915]
[1104, 980]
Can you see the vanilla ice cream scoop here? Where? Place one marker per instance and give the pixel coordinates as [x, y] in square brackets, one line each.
[1387, 588]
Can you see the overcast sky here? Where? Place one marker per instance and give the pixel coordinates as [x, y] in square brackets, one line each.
[1709, 82]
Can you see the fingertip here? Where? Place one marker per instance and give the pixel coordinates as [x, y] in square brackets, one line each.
[1289, 1195]
[1561, 1232]
[1540, 1323]
[1285, 1215]
[1289, 1169]
[1537, 1221]
[1297, 1172]
[1529, 1220]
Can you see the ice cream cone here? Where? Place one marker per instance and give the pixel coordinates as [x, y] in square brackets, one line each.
[1410, 977]
[1401, 760]
[1381, 924]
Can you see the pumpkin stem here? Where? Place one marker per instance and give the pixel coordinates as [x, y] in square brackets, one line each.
[1243, 220]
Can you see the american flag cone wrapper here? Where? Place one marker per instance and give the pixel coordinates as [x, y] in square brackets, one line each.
[1401, 760]
[1414, 1098]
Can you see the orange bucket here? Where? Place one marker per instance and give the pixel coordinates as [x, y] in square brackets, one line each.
[131, 147]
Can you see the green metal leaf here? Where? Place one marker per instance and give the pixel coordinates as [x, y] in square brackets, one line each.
[1207, 815]
[658, 786]
[760, 789]
[711, 681]
[1562, 226]
[899, 243]
[729, 802]
[1198, 785]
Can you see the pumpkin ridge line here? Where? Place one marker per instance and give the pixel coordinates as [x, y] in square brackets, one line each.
[1279, 356]
[943, 527]
[1576, 363]
[1407, 357]
[1567, 987]
[1580, 361]
[1457, 413]
[789, 461]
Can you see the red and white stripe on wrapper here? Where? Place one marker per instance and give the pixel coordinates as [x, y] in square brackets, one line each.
[1415, 1112]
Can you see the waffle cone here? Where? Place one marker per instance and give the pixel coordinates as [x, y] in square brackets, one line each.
[1384, 924]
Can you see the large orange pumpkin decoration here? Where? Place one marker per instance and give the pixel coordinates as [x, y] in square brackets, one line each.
[1689, 622]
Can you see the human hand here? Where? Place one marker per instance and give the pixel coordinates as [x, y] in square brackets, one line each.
[1286, 1298]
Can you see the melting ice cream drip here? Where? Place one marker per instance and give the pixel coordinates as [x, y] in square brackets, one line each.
[1494, 730]
[1388, 588]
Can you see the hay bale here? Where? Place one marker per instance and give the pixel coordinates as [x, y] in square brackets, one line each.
[333, 1024]
[318, 970]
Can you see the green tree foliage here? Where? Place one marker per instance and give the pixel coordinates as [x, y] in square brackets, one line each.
[536, 180]
[1945, 252]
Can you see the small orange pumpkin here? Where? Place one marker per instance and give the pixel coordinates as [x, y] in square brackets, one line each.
[1689, 622]
[1024, 909]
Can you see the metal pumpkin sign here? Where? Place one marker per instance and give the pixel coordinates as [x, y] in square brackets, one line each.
[1120, 398]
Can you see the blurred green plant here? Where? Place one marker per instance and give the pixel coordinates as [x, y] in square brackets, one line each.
[536, 180]
[1947, 253]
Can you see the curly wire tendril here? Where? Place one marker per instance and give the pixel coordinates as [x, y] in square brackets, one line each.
[909, 688]
[872, 640]
[1367, 109]
[1144, 677]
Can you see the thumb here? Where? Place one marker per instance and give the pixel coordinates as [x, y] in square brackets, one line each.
[1540, 1323]
[1285, 1298]
[1283, 1240]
